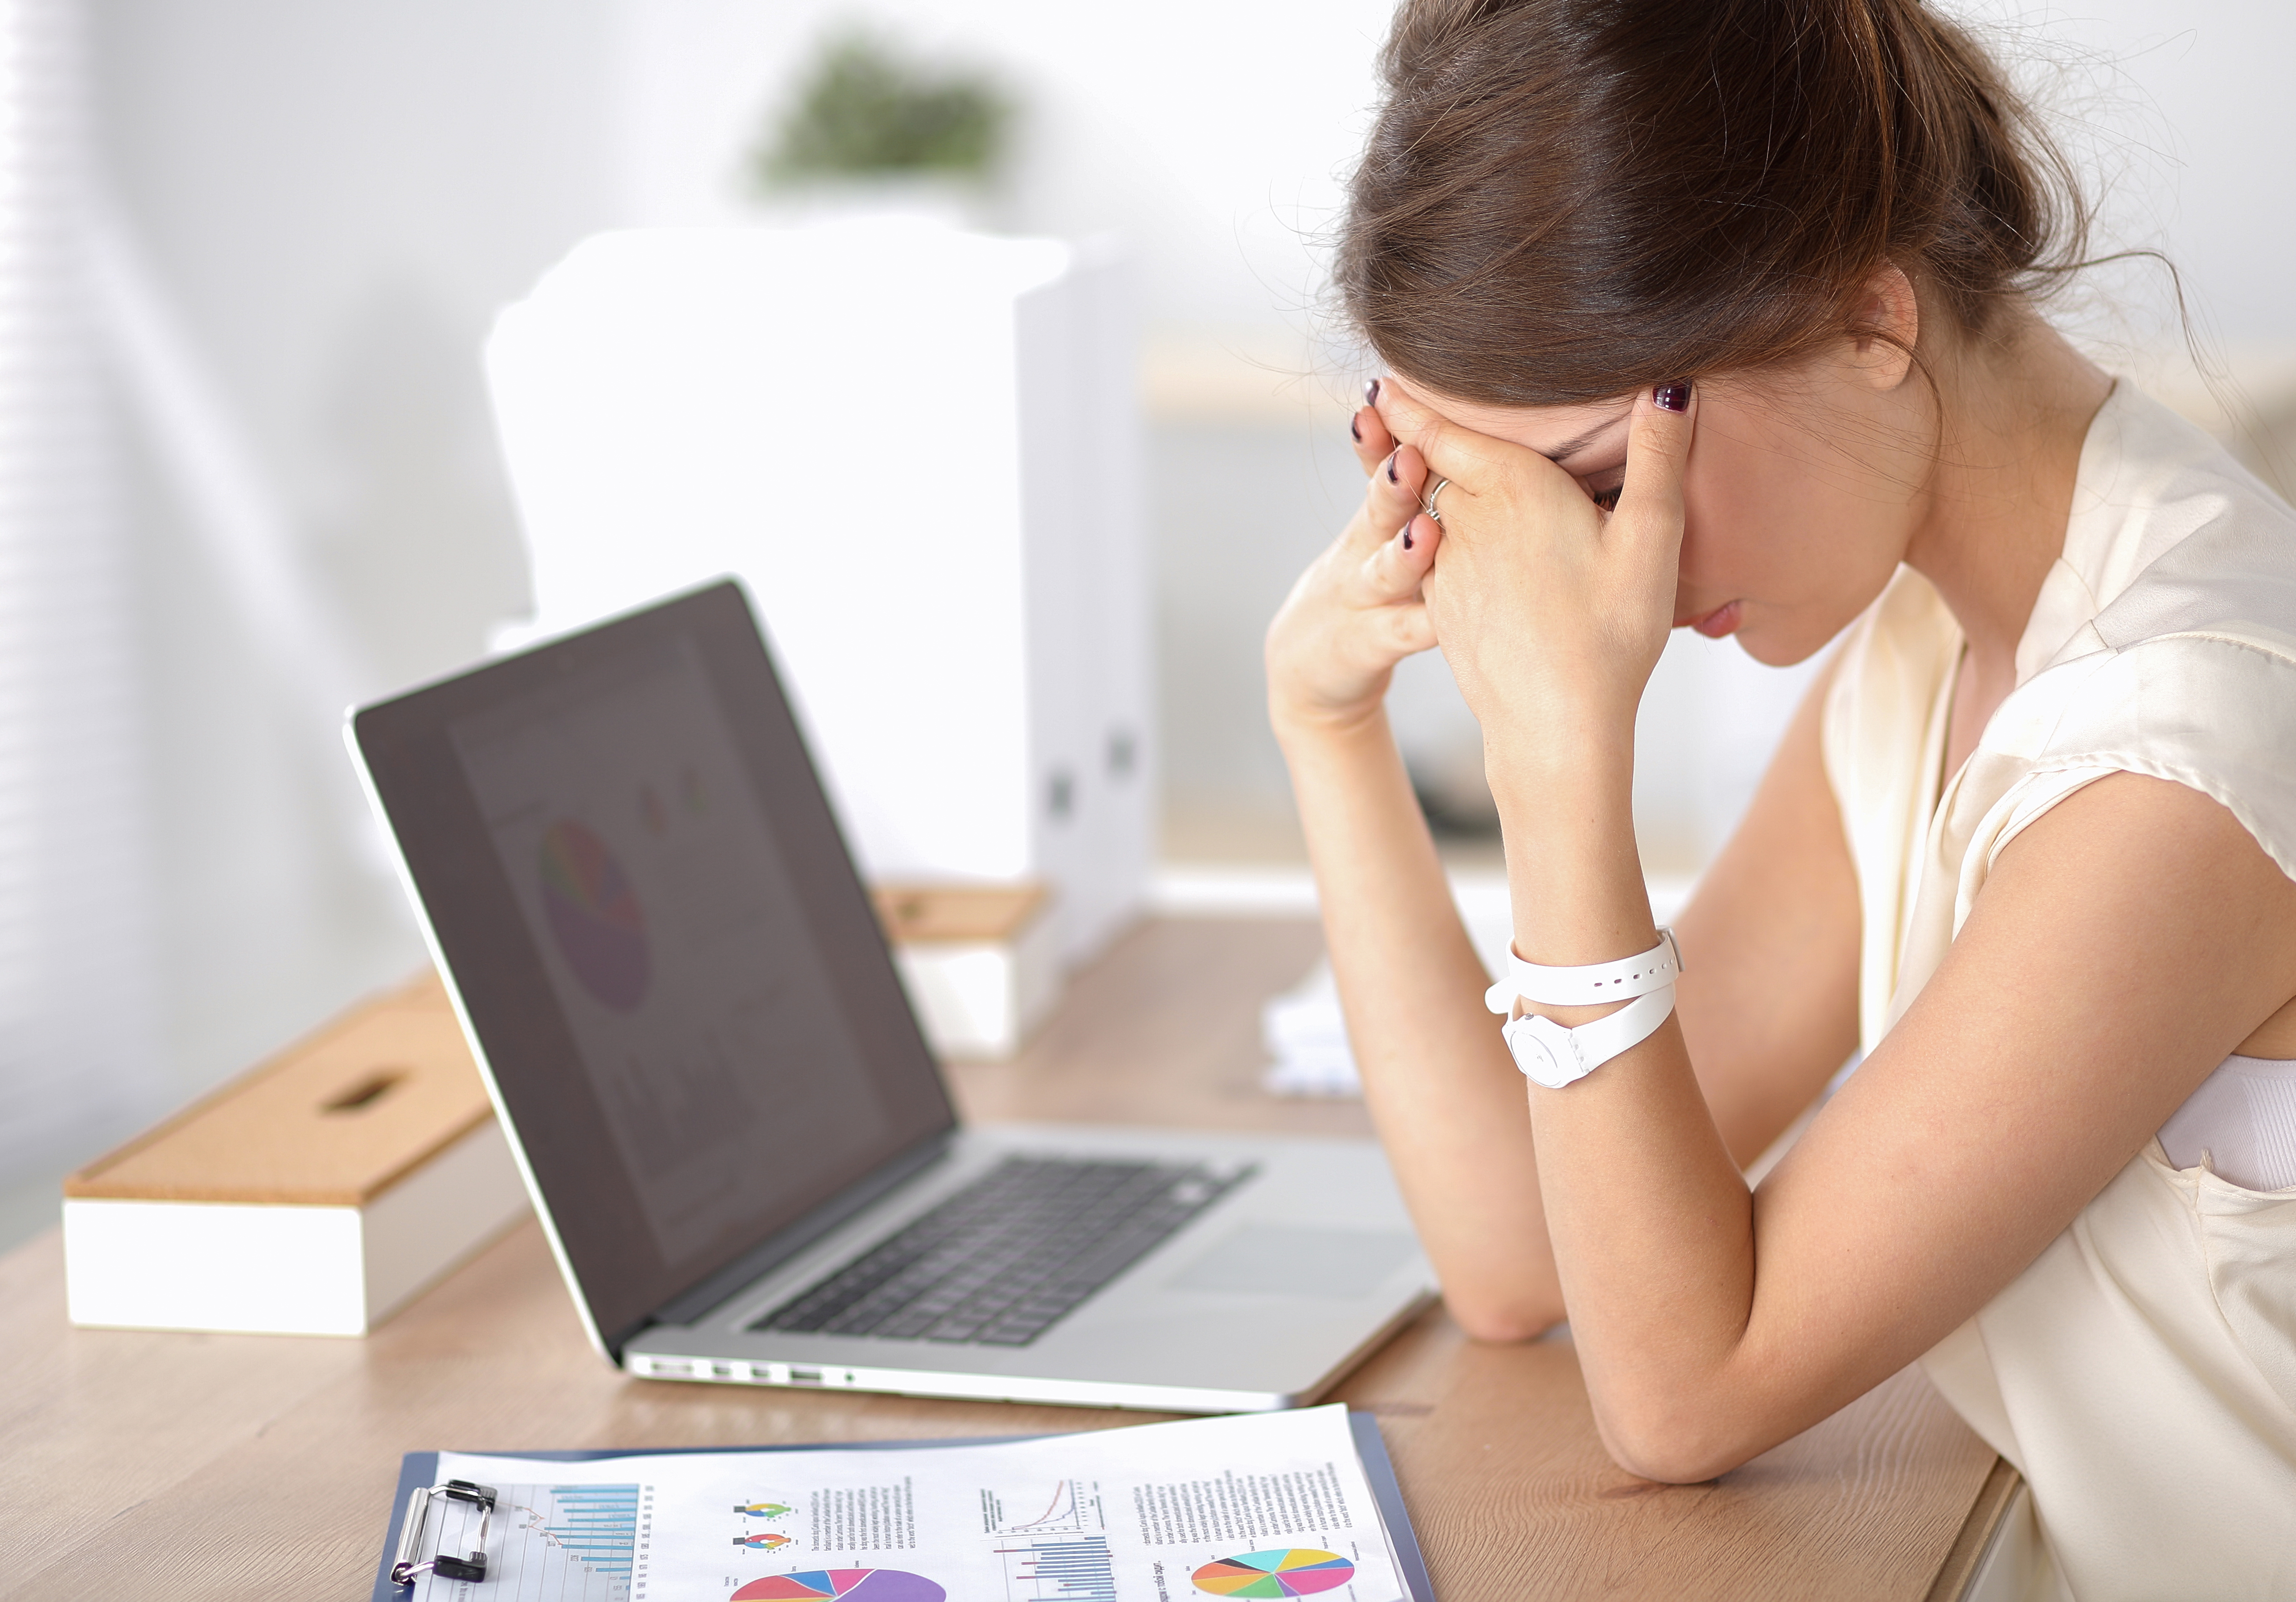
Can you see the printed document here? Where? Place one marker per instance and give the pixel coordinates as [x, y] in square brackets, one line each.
[1254, 1506]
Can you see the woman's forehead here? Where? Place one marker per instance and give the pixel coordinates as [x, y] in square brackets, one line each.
[1557, 433]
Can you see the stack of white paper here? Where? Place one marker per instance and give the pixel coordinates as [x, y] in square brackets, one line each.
[1307, 1036]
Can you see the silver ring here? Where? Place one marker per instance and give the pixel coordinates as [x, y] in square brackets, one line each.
[1429, 507]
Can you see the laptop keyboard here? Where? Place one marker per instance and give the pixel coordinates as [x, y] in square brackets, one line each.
[1007, 1257]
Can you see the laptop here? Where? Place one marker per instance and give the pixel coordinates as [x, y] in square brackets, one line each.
[741, 1148]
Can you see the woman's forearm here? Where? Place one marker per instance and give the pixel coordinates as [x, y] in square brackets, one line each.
[1651, 1221]
[1447, 1102]
[1553, 614]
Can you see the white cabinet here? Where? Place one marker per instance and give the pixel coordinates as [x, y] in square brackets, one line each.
[919, 449]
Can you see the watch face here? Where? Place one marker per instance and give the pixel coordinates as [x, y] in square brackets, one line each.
[1533, 1054]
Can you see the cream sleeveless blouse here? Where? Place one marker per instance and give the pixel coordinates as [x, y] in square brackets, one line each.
[2141, 1373]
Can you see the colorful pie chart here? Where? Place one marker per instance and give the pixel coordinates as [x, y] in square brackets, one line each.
[595, 916]
[853, 1585]
[1292, 1572]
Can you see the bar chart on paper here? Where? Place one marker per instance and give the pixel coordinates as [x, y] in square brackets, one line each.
[1058, 1569]
[570, 1543]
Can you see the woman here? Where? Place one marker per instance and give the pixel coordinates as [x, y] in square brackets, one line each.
[1719, 313]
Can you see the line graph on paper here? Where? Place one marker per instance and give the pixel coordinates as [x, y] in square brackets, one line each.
[1068, 1507]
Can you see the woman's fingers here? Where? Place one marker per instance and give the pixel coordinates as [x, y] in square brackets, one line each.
[1391, 499]
[1369, 431]
[1397, 567]
[1658, 447]
[1470, 460]
[1396, 484]
[1407, 630]
[1360, 608]
[1537, 594]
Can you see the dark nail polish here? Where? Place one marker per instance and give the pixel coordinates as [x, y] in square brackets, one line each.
[1406, 539]
[1371, 394]
[1672, 398]
[1356, 429]
[1390, 464]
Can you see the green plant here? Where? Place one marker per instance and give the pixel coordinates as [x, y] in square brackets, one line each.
[863, 110]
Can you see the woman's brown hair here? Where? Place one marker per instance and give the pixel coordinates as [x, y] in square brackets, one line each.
[1565, 199]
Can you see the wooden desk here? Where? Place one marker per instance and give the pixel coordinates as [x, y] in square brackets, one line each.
[214, 1465]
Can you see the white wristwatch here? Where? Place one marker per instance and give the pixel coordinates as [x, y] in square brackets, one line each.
[1553, 1056]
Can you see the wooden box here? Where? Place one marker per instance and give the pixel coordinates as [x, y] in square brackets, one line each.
[314, 1194]
[981, 962]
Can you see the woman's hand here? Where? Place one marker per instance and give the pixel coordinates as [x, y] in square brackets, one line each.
[1357, 611]
[1551, 613]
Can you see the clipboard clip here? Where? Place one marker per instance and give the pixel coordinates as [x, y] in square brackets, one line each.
[403, 1569]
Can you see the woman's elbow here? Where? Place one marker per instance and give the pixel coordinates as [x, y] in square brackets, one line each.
[1672, 1444]
[1503, 1320]
[1671, 1462]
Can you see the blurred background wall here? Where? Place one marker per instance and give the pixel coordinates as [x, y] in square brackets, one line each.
[313, 211]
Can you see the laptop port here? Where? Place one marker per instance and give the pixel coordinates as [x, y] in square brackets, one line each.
[804, 1377]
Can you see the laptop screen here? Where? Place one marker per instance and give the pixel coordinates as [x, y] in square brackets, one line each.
[656, 930]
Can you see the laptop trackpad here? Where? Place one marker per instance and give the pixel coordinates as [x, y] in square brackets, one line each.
[1281, 1260]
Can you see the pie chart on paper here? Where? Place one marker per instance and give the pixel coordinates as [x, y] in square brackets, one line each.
[1287, 1572]
[847, 1585]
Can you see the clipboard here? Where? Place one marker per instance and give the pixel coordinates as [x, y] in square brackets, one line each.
[419, 1471]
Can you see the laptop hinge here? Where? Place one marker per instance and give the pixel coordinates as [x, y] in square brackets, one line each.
[697, 1302]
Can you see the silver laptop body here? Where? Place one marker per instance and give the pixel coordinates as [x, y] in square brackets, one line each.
[718, 1097]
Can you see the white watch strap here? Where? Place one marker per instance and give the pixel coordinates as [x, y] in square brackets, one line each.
[1553, 1056]
[1590, 986]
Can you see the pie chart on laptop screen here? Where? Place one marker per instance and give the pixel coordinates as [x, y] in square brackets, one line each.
[595, 916]
[848, 1585]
